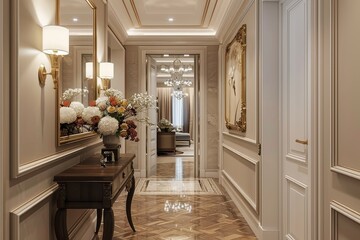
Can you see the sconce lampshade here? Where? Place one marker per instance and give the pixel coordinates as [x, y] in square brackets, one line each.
[89, 70]
[55, 40]
[106, 70]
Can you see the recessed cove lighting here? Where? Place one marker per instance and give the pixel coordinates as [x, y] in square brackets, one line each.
[171, 19]
[75, 19]
[166, 55]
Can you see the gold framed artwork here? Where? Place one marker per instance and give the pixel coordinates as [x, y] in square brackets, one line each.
[235, 82]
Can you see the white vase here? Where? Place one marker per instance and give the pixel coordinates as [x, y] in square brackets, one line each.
[111, 141]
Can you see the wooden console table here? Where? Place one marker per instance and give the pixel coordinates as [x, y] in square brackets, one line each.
[87, 185]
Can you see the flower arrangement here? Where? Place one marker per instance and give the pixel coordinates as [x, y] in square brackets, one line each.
[71, 111]
[165, 125]
[119, 113]
[110, 114]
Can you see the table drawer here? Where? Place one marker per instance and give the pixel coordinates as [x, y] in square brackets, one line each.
[121, 180]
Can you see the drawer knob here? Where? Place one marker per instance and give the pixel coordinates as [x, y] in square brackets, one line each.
[124, 175]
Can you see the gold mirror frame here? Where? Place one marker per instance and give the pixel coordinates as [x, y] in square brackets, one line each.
[61, 140]
[235, 78]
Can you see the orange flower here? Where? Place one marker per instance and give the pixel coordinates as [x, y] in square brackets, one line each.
[92, 103]
[95, 119]
[66, 103]
[112, 101]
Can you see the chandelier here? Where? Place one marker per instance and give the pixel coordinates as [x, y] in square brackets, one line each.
[178, 92]
[176, 80]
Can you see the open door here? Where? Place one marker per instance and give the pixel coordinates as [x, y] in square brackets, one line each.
[151, 153]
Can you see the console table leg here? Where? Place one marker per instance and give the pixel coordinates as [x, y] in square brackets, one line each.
[60, 225]
[108, 224]
[128, 203]
[98, 219]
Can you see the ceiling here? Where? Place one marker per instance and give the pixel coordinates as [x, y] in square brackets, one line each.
[77, 16]
[151, 19]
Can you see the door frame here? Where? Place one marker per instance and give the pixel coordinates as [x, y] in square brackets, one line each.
[200, 115]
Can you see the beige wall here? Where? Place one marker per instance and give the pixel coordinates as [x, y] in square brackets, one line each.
[339, 124]
[29, 202]
[212, 134]
[240, 161]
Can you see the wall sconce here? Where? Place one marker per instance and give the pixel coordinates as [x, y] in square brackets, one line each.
[106, 73]
[56, 44]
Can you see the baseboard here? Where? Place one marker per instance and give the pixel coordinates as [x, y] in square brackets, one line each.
[212, 173]
[137, 173]
[246, 212]
[84, 227]
[269, 234]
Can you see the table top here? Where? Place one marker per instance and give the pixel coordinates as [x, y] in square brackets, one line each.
[91, 170]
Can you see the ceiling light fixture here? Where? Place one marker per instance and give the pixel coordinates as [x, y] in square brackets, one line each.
[171, 19]
[186, 55]
[75, 19]
[166, 55]
[176, 71]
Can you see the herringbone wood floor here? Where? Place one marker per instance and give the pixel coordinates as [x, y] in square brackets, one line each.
[209, 217]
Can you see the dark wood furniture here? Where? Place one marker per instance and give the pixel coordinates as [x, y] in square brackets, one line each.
[87, 185]
[166, 142]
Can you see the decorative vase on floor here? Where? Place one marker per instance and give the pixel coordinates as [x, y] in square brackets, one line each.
[111, 150]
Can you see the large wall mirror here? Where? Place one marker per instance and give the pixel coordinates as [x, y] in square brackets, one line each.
[77, 85]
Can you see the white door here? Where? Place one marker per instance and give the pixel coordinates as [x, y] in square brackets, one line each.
[296, 145]
[151, 153]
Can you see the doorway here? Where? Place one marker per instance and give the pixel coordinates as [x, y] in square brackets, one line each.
[171, 147]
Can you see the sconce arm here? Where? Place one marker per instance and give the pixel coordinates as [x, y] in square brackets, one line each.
[55, 68]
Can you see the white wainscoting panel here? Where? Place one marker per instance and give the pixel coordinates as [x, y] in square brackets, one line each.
[296, 208]
[295, 74]
[242, 172]
[21, 217]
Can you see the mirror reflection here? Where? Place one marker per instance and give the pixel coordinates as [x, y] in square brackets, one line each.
[77, 87]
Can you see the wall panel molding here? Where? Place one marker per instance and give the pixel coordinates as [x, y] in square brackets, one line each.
[33, 145]
[335, 29]
[254, 203]
[336, 209]
[240, 154]
[242, 205]
[248, 199]
[238, 137]
[22, 170]
[294, 103]
[296, 205]
[18, 214]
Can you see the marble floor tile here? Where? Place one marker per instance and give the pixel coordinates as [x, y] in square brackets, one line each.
[181, 216]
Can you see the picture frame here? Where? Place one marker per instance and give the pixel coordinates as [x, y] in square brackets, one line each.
[235, 82]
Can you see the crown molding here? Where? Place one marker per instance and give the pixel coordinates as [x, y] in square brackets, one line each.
[171, 40]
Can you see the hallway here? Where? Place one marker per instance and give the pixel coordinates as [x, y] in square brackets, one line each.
[180, 216]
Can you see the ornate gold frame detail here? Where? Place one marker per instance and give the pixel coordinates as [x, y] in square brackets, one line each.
[239, 123]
